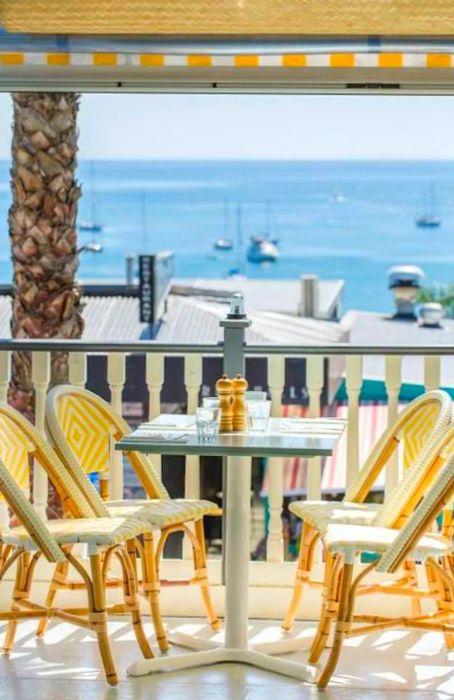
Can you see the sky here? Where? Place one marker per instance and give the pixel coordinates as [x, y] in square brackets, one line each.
[259, 127]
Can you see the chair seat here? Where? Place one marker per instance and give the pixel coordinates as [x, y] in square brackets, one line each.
[161, 512]
[97, 533]
[320, 514]
[351, 540]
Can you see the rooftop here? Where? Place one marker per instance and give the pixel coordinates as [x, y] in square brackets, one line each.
[368, 328]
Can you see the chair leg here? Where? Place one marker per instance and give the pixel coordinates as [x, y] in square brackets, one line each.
[329, 607]
[201, 575]
[151, 587]
[343, 622]
[132, 599]
[411, 572]
[59, 577]
[307, 544]
[19, 593]
[98, 618]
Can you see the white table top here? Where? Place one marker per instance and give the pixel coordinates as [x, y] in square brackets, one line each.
[176, 434]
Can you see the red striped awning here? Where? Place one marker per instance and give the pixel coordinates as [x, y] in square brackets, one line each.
[373, 420]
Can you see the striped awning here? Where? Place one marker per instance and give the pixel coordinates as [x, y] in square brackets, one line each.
[373, 417]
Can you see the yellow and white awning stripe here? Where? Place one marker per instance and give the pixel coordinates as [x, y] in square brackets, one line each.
[303, 60]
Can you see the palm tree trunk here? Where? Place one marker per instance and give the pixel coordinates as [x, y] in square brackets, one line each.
[42, 229]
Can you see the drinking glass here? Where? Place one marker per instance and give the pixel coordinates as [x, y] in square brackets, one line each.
[259, 415]
[210, 402]
[207, 421]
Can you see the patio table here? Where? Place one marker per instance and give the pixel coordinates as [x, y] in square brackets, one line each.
[306, 438]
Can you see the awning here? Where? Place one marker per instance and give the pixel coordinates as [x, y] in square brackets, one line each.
[230, 17]
[373, 420]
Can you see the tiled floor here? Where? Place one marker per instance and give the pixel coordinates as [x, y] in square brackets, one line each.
[400, 665]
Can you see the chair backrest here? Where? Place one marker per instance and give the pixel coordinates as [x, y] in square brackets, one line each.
[418, 427]
[438, 493]
[26, 514]
[20, 442]
[83, 428]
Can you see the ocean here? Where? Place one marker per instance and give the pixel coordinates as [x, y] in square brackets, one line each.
[345, 219]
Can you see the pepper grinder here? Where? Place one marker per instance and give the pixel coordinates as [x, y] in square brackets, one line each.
[224, 388]
[240, 386]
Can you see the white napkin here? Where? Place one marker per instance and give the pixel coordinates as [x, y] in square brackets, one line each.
[160, 437]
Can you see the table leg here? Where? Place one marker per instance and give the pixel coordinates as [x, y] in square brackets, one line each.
[237, 555]
[237, 546]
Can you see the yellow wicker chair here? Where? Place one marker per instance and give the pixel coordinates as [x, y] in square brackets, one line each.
[393, 548]
[418, 426]
[23, 545]
[83, 428]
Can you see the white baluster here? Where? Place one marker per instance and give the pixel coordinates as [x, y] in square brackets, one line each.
[393, 380]
[5, 374]
[275, 541]
[78, 369]
[40, 379]
[432, 370]
[116, 376]
[154, 377]
[314, 381]
[192, 382]
[354, 374]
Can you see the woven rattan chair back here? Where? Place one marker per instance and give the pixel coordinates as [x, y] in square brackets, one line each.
[418, 426]
[438, 495]
[83, 428]
[20, 442]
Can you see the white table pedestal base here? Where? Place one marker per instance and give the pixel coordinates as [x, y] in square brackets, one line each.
[179, 662]
[283, 643]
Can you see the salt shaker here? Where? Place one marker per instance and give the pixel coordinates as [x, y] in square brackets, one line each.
[240, 386]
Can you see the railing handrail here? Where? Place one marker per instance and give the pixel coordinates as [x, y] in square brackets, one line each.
[145, 346]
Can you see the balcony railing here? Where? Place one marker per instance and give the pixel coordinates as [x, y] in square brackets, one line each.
[348, 361]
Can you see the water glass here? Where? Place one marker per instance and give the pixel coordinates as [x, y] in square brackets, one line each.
[207, 421]
[210, 402]
[259, 415]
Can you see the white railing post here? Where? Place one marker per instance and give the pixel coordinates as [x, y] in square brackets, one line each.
[78, 369]
[192, 383]
[275, 540]
[314, 382]
[5, 374]
[116, 376]
[354, 380]
[393, 381]
[154, 377]
[432, 372]
[40, 380]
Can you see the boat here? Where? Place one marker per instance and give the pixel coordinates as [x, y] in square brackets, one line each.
[262, 249]
[429, 219]
[94, 247]
[90, 226]
[223, 244]
[338, 197]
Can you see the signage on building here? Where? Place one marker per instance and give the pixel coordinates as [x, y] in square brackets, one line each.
[155, 276]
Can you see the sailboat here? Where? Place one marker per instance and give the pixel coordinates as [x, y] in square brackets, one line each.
[263, 248]
[224, 243]
[429, 219]
[92, 225]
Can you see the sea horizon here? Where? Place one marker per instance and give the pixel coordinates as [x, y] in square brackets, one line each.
[350, 219]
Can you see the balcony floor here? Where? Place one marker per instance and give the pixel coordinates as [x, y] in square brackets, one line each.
[388, 666]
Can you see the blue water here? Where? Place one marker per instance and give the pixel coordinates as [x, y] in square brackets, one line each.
[150, 206]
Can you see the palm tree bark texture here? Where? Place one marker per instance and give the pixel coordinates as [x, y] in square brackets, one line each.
[42, 229]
